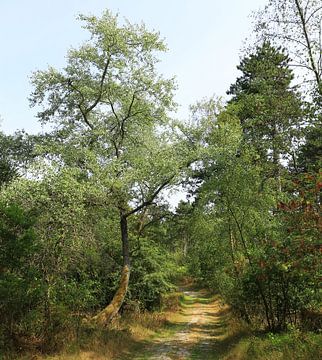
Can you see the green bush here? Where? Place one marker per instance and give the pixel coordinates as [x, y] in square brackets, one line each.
[21, 288]
[153, 272]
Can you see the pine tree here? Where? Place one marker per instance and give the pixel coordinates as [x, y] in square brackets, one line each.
[268, 107]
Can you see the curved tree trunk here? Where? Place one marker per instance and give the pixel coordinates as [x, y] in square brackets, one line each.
[105, 316]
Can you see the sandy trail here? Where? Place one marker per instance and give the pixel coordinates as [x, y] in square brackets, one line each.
[201, 323]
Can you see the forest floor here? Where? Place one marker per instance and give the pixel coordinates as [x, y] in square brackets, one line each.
[198, 331]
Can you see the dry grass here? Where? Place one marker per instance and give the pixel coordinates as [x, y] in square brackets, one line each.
[126, 334]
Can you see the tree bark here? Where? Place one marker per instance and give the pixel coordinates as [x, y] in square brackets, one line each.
[105, 316]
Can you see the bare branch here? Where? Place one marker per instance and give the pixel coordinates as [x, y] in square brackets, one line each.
[312, 14]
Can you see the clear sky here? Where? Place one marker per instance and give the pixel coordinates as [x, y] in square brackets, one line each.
[204, 39]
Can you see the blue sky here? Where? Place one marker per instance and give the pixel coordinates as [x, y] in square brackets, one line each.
[204, 39]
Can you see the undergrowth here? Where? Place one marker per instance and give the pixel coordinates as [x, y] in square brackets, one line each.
[125, 335]
[290, 345]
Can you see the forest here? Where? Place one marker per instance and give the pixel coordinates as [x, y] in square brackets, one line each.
[91, 245]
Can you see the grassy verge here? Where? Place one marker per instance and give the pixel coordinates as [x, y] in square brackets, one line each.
[127, 334]
[246, 344]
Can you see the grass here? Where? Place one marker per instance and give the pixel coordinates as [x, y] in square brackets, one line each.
[291, 345]
[243, 343]
[127, 334]
[135, 333]
[187, 300]
[122, 337]
[238, 341]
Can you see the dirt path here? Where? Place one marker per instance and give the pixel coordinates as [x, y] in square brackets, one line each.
[200, 330]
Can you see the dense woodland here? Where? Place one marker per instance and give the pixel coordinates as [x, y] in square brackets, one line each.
[86, 225]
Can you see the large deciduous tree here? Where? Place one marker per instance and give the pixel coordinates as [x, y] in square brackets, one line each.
[109, 114]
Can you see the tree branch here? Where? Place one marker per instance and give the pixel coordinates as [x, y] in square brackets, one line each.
[100, 93]
[313, 12]
[309, 47]
[79, 105]
[152, 197]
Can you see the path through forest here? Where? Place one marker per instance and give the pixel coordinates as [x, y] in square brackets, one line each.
[200, 331]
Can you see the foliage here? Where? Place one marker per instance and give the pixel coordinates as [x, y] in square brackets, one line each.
[268, 108]
[243, 226]
[15, 153]
[310, 153]
[20, 283]
[154, 271]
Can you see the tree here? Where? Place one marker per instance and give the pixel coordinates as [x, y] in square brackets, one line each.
[297, 26]
[16, 151]
[268, 108]
[260, 252]
[310, 153]
[109, 110]
[180, 226]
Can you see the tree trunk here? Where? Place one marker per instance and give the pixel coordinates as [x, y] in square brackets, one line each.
[185, 246]
[106, 315]
[276, 159]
